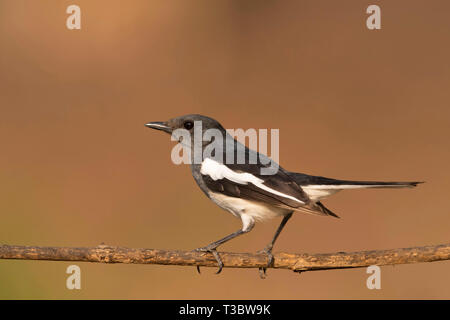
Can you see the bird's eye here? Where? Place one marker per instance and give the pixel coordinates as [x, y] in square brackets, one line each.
[188, 125]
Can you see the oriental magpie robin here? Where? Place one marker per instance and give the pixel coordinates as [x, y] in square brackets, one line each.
[242, 188]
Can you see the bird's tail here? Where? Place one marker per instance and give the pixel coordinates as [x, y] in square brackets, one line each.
[319, 192]
[319, 188]
[349, 184]
[307, 180]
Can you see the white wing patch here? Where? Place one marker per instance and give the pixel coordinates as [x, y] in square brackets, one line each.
[218, 171]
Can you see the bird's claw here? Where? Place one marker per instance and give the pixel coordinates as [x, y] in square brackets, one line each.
[268, 252]
[214, 252]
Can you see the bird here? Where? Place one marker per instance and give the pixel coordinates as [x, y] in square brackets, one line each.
[243, 189]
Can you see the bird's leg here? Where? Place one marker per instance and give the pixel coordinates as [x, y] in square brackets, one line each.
[268, 249]
[211, 248]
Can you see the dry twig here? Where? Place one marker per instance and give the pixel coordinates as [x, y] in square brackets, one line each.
[296, 262]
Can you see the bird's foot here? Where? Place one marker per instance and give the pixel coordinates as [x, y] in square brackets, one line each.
[268, 251]
[214, 252]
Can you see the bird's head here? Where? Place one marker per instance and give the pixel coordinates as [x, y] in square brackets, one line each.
[192, 123]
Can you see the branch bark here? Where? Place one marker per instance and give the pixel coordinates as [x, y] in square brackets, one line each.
[296, 262]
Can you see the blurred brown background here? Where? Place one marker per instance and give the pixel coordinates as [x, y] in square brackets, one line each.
[78, 167]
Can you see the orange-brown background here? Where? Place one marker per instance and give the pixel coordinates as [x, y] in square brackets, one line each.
[77, 166]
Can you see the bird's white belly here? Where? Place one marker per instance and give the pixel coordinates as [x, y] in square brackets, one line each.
[257, 210]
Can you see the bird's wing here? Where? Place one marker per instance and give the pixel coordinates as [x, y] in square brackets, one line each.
[245, 181]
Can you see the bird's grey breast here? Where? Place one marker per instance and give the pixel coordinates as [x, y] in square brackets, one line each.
[195, 170]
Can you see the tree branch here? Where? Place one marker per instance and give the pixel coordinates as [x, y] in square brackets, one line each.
[296, 262]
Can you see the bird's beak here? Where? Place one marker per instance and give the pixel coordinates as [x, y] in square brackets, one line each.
[159, 126]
